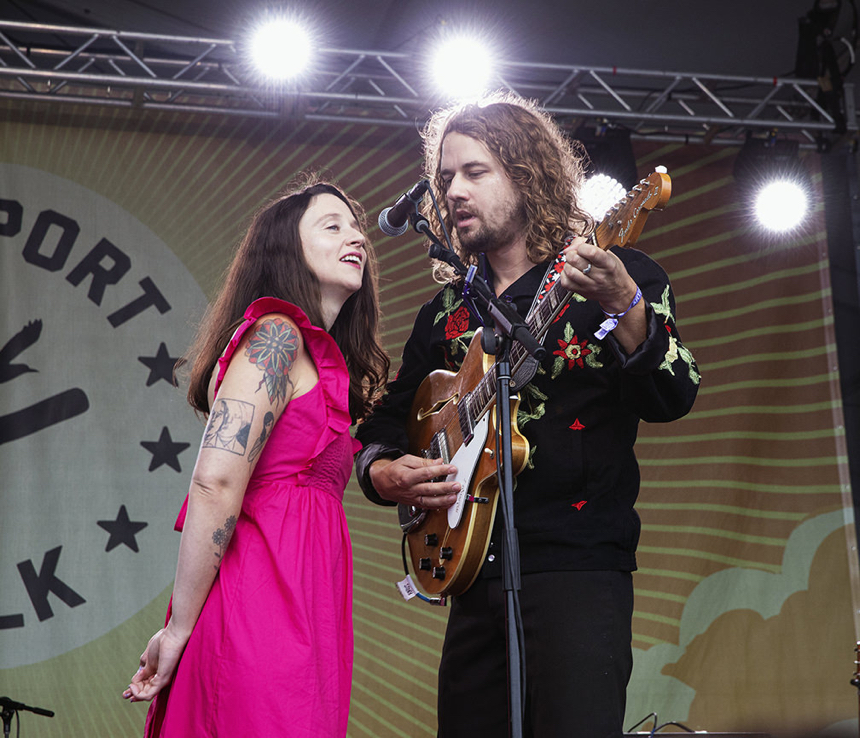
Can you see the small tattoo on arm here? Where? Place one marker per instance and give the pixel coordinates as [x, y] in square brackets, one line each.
[273, 347]
[268, 422]
[221, 538]
[229, 426]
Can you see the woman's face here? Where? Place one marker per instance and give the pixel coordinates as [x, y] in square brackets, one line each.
[333, 245]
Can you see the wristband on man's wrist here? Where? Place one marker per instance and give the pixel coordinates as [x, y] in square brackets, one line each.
[612, 319]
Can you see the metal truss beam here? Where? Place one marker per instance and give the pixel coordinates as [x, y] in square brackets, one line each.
[95, 66]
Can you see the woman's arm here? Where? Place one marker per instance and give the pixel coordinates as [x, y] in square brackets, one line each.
[269, 367]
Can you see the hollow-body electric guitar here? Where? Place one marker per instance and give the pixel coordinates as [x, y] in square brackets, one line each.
[453, 418]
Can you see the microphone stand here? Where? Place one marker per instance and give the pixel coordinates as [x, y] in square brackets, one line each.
[508, 327]
[8, 708]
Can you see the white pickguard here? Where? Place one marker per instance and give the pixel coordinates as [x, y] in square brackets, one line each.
[466, 460]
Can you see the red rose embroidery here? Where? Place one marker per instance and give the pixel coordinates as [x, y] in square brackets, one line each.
[573, 352]
[458, 323]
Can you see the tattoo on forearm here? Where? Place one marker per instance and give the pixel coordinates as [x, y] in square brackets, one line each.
[229, 426]
[221, 538]
[273, 347]
[268, 422]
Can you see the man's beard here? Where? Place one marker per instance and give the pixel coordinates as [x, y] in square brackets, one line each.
[488, 238]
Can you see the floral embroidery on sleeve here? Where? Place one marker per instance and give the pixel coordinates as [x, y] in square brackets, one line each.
[676, 349]
[572, 353]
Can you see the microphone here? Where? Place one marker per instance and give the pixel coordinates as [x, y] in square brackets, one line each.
[394, 221]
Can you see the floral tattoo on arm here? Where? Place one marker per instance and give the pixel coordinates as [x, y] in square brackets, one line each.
[273, 347]
[221, 538]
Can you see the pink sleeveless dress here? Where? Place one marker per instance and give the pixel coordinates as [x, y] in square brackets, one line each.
[271, 654]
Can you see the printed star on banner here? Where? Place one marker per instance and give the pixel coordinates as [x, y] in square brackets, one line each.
[160, 366]
[122, 530]
[165, 451]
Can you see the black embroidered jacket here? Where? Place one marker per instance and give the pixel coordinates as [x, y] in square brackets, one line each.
[573, 504]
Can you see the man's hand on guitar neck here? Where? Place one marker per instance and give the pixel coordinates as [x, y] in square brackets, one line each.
[601, 275]
[408, 480]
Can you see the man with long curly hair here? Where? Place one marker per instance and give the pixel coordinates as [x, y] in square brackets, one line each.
[508, 180]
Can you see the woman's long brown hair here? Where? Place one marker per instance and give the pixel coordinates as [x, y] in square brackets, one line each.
[270, 262]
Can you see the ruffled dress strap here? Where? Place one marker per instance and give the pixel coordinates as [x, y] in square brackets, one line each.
[326, 355]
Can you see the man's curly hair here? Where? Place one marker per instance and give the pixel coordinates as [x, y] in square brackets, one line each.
[543, 164]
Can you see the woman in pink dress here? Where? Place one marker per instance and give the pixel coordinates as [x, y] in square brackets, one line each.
[258, 639]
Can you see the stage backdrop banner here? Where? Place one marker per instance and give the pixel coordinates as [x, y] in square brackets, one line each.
[115, 228]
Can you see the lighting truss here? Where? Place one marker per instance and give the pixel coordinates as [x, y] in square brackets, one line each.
[95, 66]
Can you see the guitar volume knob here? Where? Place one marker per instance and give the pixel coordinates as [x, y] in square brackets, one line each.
[424, 565]
[431, 539]
[446, 552]
[438, 572]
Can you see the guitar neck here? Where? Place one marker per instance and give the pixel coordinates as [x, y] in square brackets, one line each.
[538, 322]
[621, 226]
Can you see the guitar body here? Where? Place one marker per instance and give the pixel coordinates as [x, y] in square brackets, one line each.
[447, 548]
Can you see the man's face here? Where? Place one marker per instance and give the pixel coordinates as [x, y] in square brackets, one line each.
[486, 206]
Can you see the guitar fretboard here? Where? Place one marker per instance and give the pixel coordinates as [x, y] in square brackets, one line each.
[478, 401]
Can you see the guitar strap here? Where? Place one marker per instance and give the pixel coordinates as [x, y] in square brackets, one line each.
[528, 368]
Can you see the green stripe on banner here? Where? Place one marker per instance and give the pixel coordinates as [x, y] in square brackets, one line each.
[708, 556]
[749, 435]
[655, 618]
[730, 509]
[814, 407]
[736, 484]
[771, 384]
[745, 460]
[671, 574]
[765, 331]
[729, 535]
[812, 268]
[793, 300]
[667, 596]
[647, 639]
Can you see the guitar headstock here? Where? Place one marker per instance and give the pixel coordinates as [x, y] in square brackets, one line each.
[625, 220]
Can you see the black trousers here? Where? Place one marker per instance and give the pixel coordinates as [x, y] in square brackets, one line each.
[578, 657]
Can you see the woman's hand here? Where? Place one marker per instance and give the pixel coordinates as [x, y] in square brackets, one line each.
[157, 664]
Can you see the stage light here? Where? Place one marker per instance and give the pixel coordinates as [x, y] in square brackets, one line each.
[462, 67]
[781, 205]
[280, 49]
[773, 182]
[599, 193]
